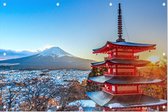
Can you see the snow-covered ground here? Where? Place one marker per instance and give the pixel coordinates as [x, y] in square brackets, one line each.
[60, 77]
[57, 77]
[83, 103]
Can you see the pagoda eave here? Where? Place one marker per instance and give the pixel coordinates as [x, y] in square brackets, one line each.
[124, 80]
[124, 101]
[136, 47]
[137, 106]
[128, 62]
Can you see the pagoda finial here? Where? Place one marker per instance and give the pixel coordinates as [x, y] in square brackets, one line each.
[120, 39]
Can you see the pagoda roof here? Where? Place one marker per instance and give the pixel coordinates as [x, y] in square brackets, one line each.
[122, 62]
[130, 44]
[124, 80]
[124, 101]
[138, 47]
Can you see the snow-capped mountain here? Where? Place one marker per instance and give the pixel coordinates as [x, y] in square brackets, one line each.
[52, 58]
[54, 52]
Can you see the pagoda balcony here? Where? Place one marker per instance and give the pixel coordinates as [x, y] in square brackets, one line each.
[108, 91]
[121, 57]
[120, 89]
[120, 93]
[120, 74]
[108, 74]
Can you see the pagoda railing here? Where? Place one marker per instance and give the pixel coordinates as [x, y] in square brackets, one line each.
[107, 91]
[121, 92]
[120, 73]
[122, 57]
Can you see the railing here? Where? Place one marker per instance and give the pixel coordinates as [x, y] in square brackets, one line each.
[122, 57]
[121, 92]
[107, 91]
[125, 73]
[120, 73]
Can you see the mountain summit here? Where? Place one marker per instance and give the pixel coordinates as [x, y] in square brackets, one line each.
[54, 52]
[52, 58]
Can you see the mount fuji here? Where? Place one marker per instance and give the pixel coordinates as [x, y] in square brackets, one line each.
[54, 52]
[52, 58]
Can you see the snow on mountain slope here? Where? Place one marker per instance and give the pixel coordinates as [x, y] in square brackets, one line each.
[54, 52]
[52, 58]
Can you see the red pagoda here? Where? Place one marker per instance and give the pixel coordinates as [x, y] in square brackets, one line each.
[121, 82]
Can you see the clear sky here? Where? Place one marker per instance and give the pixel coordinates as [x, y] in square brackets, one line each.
[78, 26]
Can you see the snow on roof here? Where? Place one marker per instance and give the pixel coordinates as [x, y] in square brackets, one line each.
[123, 61]
[132, 80]
[138, 100]
[98, 63]
[100, 79]
[124, 80]
[99, 97]
[115, 105]
[132, 44]
[125, 44]
[124, 101]
[129, 61]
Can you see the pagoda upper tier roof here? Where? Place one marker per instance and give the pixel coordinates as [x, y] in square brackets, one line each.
[121, 62]
[115, 80]
[124, 101]
[136, 47]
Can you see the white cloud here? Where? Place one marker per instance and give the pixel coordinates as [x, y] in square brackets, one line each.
[45, 47]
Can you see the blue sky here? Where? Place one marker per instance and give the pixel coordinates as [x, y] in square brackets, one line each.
[78, 26]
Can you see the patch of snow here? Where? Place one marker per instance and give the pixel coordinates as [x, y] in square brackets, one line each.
[54, 52]
[9, 64]
[83, 103]
[115, 105]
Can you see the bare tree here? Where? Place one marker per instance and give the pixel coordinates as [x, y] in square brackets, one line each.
[10, 96]
[37, 93]
[75, 91]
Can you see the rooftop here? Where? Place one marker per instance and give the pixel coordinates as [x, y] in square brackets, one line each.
[124, 101]
[124, 80]
[123, 62]
[138, 47]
